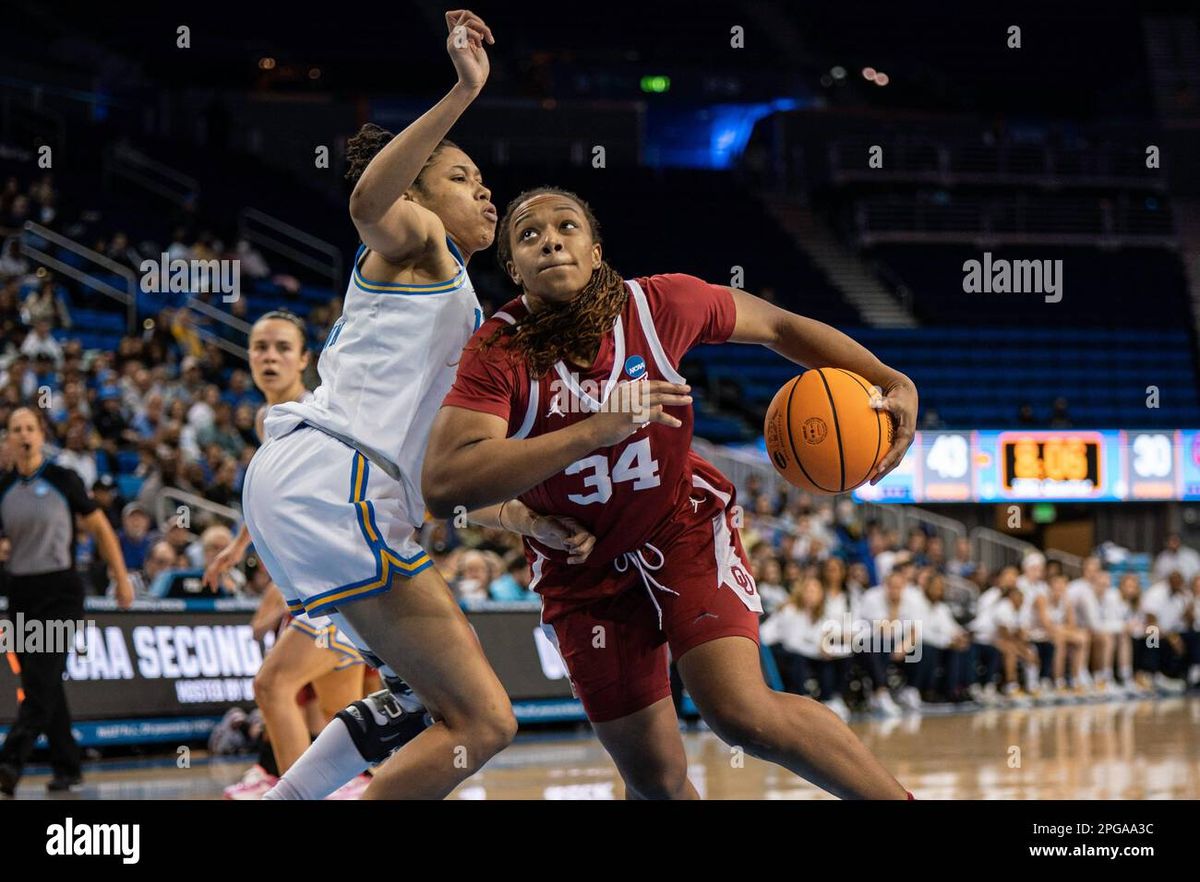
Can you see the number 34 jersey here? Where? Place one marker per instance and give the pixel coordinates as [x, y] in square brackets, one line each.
[651, 487]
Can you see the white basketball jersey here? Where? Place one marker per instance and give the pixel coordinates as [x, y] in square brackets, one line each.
[387, 364]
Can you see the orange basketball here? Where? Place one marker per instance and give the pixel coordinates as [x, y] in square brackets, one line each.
[822, 433]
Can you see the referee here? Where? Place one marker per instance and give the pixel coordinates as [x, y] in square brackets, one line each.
[38, 504]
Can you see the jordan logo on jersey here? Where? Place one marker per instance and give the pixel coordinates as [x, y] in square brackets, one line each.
[555, 408]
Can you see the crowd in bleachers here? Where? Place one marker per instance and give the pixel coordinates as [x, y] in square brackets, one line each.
[862, 618]
[168, 407]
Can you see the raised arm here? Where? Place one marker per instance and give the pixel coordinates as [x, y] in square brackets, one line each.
[815, 344]
[399, 229]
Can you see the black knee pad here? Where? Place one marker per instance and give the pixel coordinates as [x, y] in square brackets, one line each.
[383, 722]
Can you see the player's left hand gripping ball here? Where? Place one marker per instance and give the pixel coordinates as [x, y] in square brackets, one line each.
[899, 399]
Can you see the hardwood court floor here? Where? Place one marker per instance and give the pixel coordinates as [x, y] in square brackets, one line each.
[1146, 749]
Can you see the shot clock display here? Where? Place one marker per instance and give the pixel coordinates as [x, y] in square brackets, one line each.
[1045, 465]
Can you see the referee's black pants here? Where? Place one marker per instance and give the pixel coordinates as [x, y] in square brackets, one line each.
[45, 596]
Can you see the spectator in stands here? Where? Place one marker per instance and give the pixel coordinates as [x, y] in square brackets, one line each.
[888, 613]
[224, 488]
[202, 413]
[221, 432]
[1176, 558]
[46, 305]
[149, 421]
[768, 577]
[39, 342]
[243, 422]
[104, 491]
[178, 248]
[1012, 641]
[1110, 620]
[135, 535]
[160, 558]
[213, 541]
[77, 457]
[472, 579]
[1167, 605]
[1025, 416]
[986, 652]
[110, 422]
[942, 673]
[884, 547]
[960, 564]
[799, 640]
[252, 264]
[122, 252]
[13, 265]
[916, 545]
[1066, 640]
[513, 583]
[1059, 418]
[11, 323]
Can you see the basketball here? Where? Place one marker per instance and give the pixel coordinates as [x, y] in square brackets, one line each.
[823, 435]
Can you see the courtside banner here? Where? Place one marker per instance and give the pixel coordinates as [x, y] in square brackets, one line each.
[199, 658]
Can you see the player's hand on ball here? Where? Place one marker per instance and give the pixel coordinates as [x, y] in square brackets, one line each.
[899, 399]
[565, 534]
[465, 45]
[634, 403]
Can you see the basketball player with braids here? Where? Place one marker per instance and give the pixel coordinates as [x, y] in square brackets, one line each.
[570, 399]
[332, 499]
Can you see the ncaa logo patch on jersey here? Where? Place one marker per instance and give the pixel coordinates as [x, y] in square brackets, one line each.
[635, 367]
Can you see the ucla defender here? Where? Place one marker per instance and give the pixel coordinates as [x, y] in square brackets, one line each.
[570, 398]
[332, 499]
[311, 649]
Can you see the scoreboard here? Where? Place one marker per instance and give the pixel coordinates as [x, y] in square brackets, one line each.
[1044, 465]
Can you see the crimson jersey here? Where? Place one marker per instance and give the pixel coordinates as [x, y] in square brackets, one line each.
[630, 493]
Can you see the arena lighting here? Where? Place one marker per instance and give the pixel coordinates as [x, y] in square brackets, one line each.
[266, 63]
[882, 79]
[838, 72]
[314, 73]
[656, 84]
[868, 73]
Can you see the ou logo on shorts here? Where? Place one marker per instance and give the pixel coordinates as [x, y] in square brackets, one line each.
[635, 367]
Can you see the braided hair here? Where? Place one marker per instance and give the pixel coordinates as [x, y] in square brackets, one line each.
[559, 331]
[362, 148]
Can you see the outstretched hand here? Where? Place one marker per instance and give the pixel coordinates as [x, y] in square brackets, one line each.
[465, 45]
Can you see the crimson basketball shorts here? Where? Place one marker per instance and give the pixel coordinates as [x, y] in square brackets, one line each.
[696, 589]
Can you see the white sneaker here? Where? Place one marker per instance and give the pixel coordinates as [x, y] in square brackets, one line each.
[910, 698]
[253, 785]
[883, 702]
[1163, 683]
[838, 706]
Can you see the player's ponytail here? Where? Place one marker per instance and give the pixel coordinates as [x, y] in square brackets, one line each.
[362, 148]
[559, 331]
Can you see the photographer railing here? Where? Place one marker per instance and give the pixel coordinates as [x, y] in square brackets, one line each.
[303, 249]
[122, 161]
[35, 238]
[165, 512]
